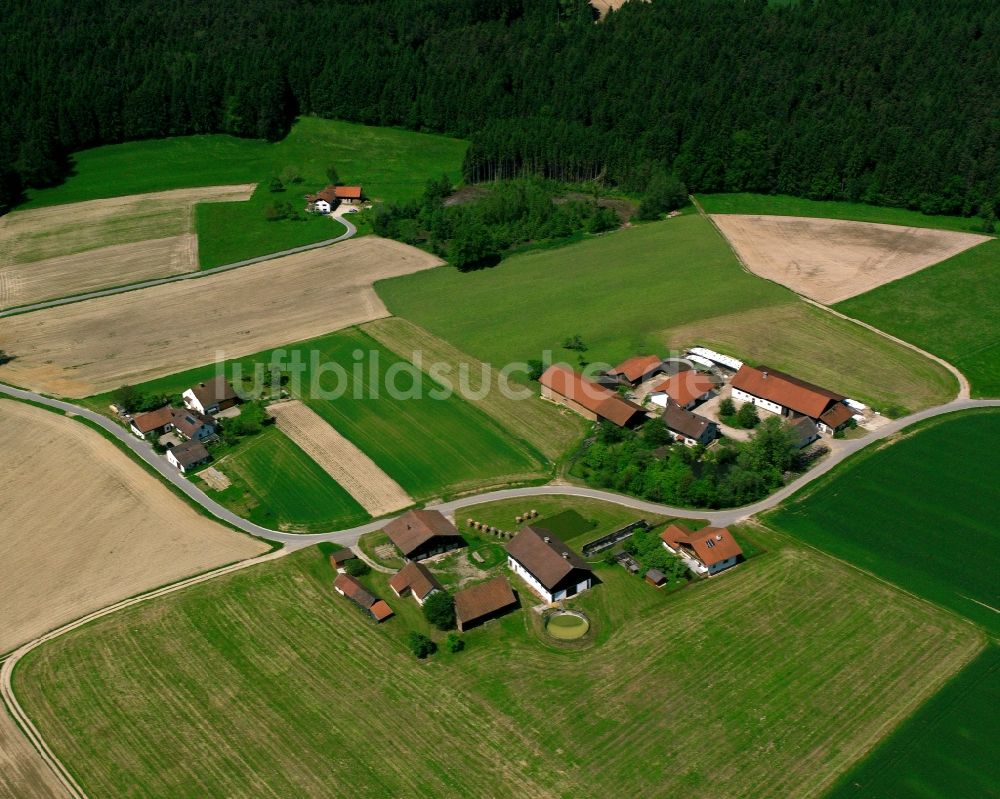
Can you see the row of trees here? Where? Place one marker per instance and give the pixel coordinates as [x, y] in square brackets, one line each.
[729, 474]
[891, 103]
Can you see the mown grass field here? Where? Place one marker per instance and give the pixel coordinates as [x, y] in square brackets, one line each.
[919, 512]
[276, 485]
[391, 164]
[784, 205]
[951, 309]
[553, 430]
[407, 160]
[947, 750]
[790, 668]
[673, 283]
[430, 446]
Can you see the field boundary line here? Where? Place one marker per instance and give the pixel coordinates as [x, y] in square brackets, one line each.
[21, 717]
[351, 230]
[964, 391]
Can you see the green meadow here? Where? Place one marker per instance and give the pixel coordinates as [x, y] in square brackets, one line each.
[951, 309]
[651, 288]
[269, 665]
[276, 485]
[430, 446]
[784, 205]
[391, 165]
[919, 511]
[946, 750]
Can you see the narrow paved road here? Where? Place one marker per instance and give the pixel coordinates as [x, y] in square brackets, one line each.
[350, 536]
[160, 281]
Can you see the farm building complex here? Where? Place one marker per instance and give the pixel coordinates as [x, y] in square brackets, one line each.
[349, 587]
[414, 579]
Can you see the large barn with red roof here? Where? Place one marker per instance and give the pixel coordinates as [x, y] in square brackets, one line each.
[785, 395]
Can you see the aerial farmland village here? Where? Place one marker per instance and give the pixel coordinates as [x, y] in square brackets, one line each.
[527, 398]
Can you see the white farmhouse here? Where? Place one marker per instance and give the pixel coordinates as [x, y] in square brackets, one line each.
[547, 565]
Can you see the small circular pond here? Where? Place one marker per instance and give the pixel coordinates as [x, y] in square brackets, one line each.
[567, 625]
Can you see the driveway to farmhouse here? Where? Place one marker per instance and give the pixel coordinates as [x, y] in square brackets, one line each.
[337, 215]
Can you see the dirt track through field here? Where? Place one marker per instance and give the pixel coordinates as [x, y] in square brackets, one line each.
[71, 249]
[830, 260]
[356, 473]
[84, 526]
[96, 345]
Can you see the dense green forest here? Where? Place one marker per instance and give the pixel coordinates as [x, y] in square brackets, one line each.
[893, 102]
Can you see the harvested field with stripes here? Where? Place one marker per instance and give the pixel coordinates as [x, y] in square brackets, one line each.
[551, 429]
[793, 666]
[73, 249]
[64, 557]
[356, 473]
[97, 345]
[23, 773]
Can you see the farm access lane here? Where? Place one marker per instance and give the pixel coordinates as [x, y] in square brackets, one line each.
[38, 306]
[350, 536]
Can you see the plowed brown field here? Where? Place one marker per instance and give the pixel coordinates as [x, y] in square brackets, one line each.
[830, 260]
[96, 345]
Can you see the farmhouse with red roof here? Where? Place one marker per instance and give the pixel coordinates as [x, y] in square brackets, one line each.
[592, 401]
[709, 551]
[785, 395]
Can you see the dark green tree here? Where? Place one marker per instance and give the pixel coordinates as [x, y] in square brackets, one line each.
[439, 610]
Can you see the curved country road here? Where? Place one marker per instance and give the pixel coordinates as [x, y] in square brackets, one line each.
[160, 281]
[292, 542]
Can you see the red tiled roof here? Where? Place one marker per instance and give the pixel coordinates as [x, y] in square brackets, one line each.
[417, 578]
[380, 610]
[483, 599]
[594, 397]
[544, 558]
[153, 420]
[635, 368]
[710, 545]
[685, 387]
[416, 527]
[347, 192]
[785, 390]
[354, 591]
[837, 415]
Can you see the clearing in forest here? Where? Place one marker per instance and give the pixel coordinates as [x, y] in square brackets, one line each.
[830, 260]
[99, 344]
[550, 428]
[356, 473]
[85, 526]
[72, 249]
[792, 665]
